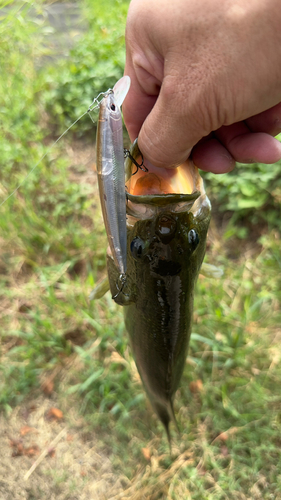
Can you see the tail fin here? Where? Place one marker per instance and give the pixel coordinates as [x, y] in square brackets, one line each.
[165, 412]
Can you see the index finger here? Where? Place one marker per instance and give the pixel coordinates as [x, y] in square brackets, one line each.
[138, 102]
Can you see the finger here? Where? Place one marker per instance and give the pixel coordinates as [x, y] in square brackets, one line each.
[136, 107]
[144, 90]
[168, 133]
[247, 147]
[210, 155]
[268, 121]
[138, 102]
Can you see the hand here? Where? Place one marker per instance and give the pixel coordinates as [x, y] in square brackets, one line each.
[206, 81]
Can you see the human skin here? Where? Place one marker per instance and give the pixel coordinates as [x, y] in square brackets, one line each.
[205, 81]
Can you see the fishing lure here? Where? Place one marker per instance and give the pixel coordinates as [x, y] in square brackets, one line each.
[111, 172]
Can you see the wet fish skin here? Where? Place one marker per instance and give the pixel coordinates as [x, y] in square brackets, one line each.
[164, 256]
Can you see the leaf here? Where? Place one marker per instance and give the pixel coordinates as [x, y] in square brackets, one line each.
[26, 430]
[19, 449]
[196, 386]
[54, 414]
[146, 453]
[224, 436]
[91, 379]
[32, 450]
[199, 338]
[248, 189]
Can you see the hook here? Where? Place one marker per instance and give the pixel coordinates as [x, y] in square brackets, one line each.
[122, 279]
[127, 154]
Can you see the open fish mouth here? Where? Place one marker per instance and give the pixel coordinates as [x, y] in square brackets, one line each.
[178, 189]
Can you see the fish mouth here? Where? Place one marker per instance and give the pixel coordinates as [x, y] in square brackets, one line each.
[157, 189]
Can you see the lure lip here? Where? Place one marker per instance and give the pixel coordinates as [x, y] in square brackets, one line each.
[121, 89]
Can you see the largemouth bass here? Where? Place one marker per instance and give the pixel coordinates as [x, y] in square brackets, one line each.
[166, 240]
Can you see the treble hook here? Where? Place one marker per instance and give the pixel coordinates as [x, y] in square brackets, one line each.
[127, 154]
[122, 279]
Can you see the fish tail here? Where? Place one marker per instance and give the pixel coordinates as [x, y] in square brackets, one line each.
[166, 414]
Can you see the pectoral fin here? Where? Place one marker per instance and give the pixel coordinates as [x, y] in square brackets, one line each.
[210, 271]
[100, 289]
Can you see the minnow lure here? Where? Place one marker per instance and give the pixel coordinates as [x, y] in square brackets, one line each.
[111, 172]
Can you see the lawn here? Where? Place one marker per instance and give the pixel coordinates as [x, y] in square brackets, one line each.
[70, 396]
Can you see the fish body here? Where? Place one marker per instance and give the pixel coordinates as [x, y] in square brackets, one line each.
[166, 241]
[111, 178]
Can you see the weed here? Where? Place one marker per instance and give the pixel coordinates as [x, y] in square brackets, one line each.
[251, 196]
[53, 252]
[94, 64]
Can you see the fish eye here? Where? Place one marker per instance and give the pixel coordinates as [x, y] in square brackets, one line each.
[136, 247]
[112, 107]
[193, 238]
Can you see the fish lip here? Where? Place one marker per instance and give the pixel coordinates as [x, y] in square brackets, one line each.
[160, 200]
[148, 206]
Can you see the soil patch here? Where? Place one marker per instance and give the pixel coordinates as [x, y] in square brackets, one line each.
[68, 464]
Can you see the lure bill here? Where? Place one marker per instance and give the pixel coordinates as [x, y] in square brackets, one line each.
[121, 89]
[111, 172]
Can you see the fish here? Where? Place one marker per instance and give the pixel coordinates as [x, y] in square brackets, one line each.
[111, 172]
[168, 214]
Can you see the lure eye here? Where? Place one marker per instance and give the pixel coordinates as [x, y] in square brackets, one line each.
[193, 238]
[136, 247]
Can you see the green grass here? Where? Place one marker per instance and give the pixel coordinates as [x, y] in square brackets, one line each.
[53, 252]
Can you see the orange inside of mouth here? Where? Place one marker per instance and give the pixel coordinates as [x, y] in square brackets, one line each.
[163, 180]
